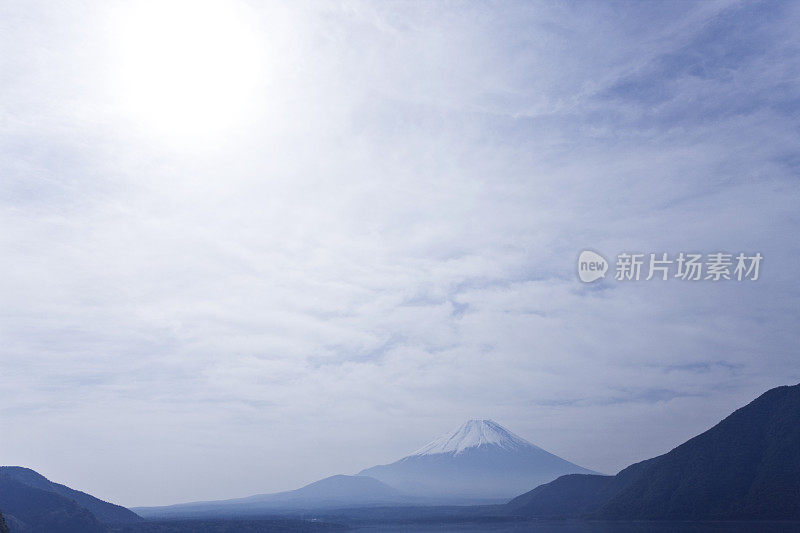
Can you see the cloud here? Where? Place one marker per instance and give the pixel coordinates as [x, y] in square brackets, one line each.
[388, 245]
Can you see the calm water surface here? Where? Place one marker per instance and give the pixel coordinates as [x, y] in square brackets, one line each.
[594, 527]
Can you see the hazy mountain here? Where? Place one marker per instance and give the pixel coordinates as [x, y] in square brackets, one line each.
[480, 459]
[331, 492]
[229, 525]
[480, 462]
[334, 490]
[745, 467]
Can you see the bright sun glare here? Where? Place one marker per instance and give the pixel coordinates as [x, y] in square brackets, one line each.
[189, 68]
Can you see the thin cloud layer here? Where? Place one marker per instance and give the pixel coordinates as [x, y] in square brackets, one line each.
[386, 246]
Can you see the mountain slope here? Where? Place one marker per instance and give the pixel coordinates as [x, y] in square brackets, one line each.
[745, 467]
[32, 510]
[32, 504]
[571, 496]
[331, 492]
[103, 511]
[480, 459]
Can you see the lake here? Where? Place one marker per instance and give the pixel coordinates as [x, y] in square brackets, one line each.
[589, 527]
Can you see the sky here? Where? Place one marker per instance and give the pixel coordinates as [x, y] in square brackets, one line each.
[244, 246]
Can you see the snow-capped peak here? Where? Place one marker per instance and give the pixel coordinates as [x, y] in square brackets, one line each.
[472, 434]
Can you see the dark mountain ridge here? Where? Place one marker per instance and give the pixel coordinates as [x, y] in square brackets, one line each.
[747, 467]
[31, 503]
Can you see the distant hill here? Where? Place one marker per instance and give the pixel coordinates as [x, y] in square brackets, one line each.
[31, 504]
[331, 492]
[256, 525]
[747, 467]
[480, 459]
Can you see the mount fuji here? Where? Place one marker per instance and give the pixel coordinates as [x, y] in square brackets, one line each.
[480, 459]
[481, 462]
